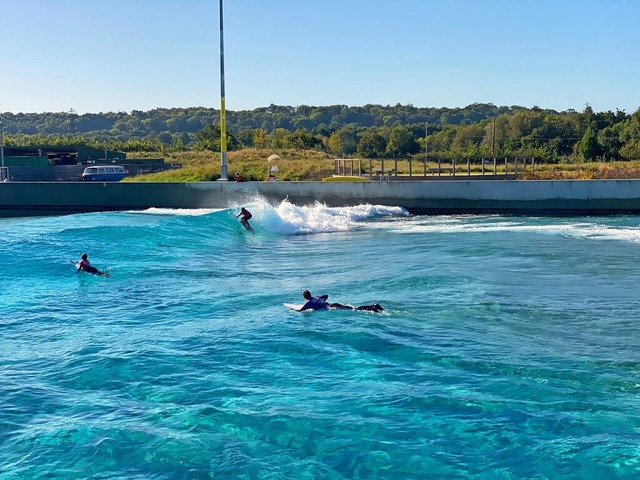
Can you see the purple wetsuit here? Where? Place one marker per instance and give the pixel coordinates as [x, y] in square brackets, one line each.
[314, 303]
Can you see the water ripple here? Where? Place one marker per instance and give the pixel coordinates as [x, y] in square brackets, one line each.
[507, 348]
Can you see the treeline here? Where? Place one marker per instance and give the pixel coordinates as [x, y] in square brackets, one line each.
[370, 131]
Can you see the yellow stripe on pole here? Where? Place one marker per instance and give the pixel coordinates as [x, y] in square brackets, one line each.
[223, 127]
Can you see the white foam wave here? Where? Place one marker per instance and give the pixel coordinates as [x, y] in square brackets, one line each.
[290, 219]
[186, 212]
[455, 225]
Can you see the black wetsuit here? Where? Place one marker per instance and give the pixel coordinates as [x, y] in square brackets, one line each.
[372, 308]
[320, 303]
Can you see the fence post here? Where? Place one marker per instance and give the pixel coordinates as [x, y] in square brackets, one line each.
[468, 166]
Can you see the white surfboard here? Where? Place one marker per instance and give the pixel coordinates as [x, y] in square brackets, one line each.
[293, 306]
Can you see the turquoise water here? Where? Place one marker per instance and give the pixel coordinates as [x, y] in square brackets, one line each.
[508, 348]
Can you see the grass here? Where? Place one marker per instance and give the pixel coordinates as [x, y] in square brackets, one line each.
[310, 165]
[585, 171]
[252, 163]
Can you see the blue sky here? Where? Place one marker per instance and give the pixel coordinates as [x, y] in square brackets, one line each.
[122, 55]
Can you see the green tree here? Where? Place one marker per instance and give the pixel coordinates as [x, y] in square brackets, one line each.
[279, 139]
[165, 138]
[467, 140]
[344, 141]
[588, 147]
[260, 138]
[402, 141]
[177, 144]
[245, 137]
[630, 136]
[440, 142]
[610, 144]
[209, 139]
[371, 145]
[302, 139]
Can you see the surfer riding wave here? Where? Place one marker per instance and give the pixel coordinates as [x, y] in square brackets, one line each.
[246, 215]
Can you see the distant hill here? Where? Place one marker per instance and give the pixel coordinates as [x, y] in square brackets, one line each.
[371, 131]
[317, 120]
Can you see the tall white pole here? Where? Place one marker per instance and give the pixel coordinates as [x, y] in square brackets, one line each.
[224, 174]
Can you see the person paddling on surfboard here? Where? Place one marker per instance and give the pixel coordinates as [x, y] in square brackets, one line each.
[85, 266]
[314, 303]
[320, 303]
[246, 215]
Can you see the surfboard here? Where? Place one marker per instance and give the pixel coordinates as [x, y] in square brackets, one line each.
[293, 306]
[248, 227]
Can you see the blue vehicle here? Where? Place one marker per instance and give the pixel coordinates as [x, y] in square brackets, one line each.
[105, 173]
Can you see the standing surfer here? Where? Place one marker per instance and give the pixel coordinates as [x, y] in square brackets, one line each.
[246, 215]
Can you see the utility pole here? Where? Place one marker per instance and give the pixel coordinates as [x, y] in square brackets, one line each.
[426, 147]
[224, 174]
[493, 138]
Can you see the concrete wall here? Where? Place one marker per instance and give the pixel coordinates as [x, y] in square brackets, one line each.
[499, 196]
